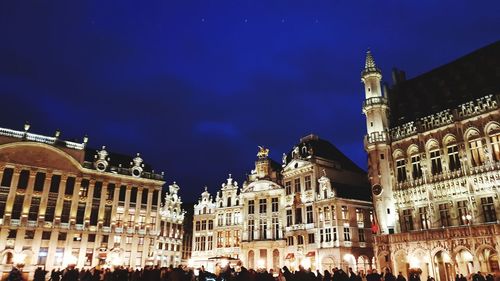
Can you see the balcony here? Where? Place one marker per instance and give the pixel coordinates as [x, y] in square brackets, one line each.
[375, 138]
[373, 102]
[483, 230]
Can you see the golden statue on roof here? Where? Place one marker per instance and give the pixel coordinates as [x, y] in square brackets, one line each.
[263, 152]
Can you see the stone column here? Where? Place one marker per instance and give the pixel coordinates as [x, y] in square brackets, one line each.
[102, 203]
[138, 205]
[116, 195]
[12, 194]
[88, 207]
[127, 203]
[45, 195]
[60, 198]
[75, 199]
[149, 207]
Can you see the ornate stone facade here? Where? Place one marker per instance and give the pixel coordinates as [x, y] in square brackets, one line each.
[61, 203]
[435, 179]
[309, 210]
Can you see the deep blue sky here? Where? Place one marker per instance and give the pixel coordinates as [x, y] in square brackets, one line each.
[195, 86]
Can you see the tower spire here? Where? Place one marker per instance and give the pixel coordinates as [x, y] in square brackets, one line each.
[370, 66]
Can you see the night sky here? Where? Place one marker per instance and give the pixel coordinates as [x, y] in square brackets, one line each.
[195, 86]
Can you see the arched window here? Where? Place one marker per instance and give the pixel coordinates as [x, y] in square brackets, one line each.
[475, 147]
[300, 240]
[229, 201]
[251, 263]
[452, 152]
[435, 157]
[494, 137]
[7, 177]
[416, 168]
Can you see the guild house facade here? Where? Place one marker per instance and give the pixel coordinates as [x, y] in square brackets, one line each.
[63, 204]
[433, 145]
[310, 210]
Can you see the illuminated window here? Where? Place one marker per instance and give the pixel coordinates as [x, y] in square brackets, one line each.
[444, 214]
[436, 167]
[424, 218]
[453, 158]
[407, 222]
[495, 146]
[288, 187]
[488, 209]
[296, 184]
[345, 213]
[477, 153]
[307, 182]
[416, 170]
[360, 217]
[401, 170]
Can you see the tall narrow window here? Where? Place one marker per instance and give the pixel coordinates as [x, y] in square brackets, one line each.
[110, 191]
[251, 207]
[107, 216]
[424, 218]
[34, 207]
[309, 214]
[23, 179]
[80, 213]
[477, 153]
[360, 217]
[288, 187]
[347, 234]
[18, 206]
[251, 229]
[345, 213]
[307, 182]
[436, 167]
[39, 181]
[462, 212]
[144, 197]
[274, 205]
[263, 228]
[84, 188]
[444, 214]
[276, 228]
[262, 206]
[65, 211]
[133, 195]
[288, 217]
[401, 170]
[453, 158]
[54, 183]
[123, 191]
[407, 222]
[298, 215]
[495, 147]
[296, 185]
[361, 235]
[416, 170]
[328, 235]
[70, 186]
[7, 177]
[488, 209]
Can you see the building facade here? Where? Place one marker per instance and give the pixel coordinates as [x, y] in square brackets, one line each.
[63, 204]
[311, 210]
[433, 156]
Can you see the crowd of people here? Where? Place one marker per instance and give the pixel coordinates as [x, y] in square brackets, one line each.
[224, 273]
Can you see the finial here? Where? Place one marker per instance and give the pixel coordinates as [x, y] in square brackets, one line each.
[206, 188]
[27, 126]
[229, 175]
[85, 139]
[58, 133]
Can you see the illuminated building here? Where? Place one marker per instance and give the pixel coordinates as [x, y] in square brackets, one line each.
[61, 203]
[433, 145]
[310, 210]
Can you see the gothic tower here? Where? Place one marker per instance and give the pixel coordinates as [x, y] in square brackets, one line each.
[376, 110]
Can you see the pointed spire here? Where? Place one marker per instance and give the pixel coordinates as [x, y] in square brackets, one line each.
[370, 66]
[370, 62]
